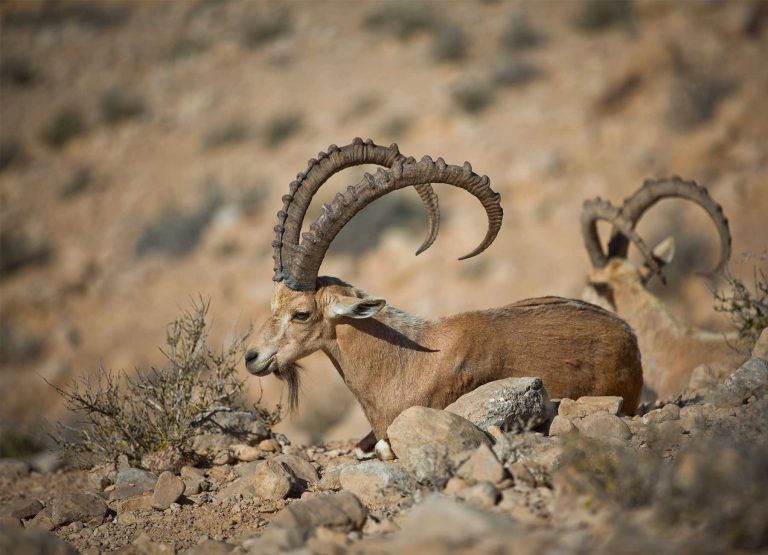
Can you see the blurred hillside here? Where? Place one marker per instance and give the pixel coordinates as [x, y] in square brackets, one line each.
[145, 145]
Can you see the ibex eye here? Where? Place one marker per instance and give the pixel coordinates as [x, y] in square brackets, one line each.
[301, 316]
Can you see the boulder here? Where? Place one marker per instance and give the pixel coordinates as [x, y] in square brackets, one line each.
[511, 403]
[245, 453]
[21, 508]
[561, 426]
[376, 482]
[482, 495]
[33, 542]
[604, 426]
[76, 506]
[584, 406]
[426, 439]
[760, 350]
[168, 489]
[482, 466]
[339, 511]
[301, 468]
[132, 481]
[750, 379]
[269, 479]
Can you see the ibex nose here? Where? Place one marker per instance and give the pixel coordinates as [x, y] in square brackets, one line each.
[251, 356]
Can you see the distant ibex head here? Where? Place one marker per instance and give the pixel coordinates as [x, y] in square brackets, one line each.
[305, 308]
[613, 267]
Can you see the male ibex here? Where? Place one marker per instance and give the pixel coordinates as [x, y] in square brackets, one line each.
[391, 360]
[671, 350]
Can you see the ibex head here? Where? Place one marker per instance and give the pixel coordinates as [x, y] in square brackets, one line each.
[305, 309]
[613, 267]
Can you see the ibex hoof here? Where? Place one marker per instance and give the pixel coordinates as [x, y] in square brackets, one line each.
[383, 450]
[361, 455]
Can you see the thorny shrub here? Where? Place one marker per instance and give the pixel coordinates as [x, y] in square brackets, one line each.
[747, 311]
[162, 408]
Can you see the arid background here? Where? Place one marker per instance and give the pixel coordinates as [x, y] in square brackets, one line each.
[145, 145]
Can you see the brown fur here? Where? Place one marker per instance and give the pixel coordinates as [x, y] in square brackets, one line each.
[392, 361]
[671, 349]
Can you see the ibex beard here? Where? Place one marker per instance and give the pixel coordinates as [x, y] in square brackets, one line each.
[391, 360]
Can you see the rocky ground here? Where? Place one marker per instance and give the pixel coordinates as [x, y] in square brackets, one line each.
[502, 470]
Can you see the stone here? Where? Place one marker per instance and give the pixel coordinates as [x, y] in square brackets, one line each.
[664, 414]
[10, 522]
[143, 545]
[301, 468]
[511, 403]
[584, 406]
[455, 485]
[13, 469]
[750, 379]
[425, 439]
[269, 480]
[101, 477]
[21, 508]
[561, 426]
[194, 480]
[168, 489]
[136, 479]
[693, 419]
[522, 475]
[760, 350]
[245, 453]
[130, 504]
[376, 482]
[331, 478]
[338, 511]
[270, 445]
[275, 541]
[708, 376]
[482, 466]
[33, 542]
[210, 547]
[482, 495]
[42, 521]
[46, 462]
[604, 426]
[77, 506]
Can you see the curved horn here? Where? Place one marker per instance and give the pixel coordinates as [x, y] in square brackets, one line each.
[315, 243]
[319, 170]
[595, 210]
[429, 199]
[652, 192]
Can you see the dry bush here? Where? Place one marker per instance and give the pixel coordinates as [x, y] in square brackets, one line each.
[67, 124]
[11, 153]
[17, 71]
[162, 408]
[118, 105]
[449, 44]
[281, 127]
[598, 15]
[230, 132]
[79, 182]
[747, 310]
[518, 34]
[19, 249]
[515, 73]
[267, 26]
[472, 95]
[400, 18]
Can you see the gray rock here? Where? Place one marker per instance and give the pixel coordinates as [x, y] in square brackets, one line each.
[46, 462]
[331, 478]
[426, 439]
[511, 403]
[482, 466]
[13, 469]
[708, 376]
[77, 506]
[266, 479]
[377, 482]
[135, 477]
[604, 426]
[301, 468]
[42, 520]
[664, 414]
[585, 406]
[750, 379]
[21, 508]
[168, 489]
[339, 511]
[33, 542]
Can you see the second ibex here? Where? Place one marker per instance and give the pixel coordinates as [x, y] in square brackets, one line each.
[391, 360]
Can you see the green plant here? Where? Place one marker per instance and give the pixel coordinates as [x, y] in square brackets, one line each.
[63, 127]
[163, 407]
[747, 310]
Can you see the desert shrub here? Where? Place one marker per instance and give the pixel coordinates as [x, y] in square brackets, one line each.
[163, 407]
[747, 309]
[17, 445]
[118, 105]
[96, 15]
[399, 18]
[598, 15]
[281, 127]
[19, 249]
[518, 34]
[227, 133]
[267, 26]
[361, 107]
[472, 96]
[514, 73]
[17, 71]
[17, 346]
[396, 126]
[693, 98]
[449, 44]
[177, 232]
[67, 124]
[186, 47]
[11, 152]
[80, 180]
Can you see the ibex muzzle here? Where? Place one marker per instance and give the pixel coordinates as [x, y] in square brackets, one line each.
[391, 360]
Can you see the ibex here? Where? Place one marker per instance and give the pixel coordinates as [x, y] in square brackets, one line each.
[671, 349]
[391, 360]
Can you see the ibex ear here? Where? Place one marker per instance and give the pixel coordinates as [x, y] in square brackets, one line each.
[352, 307]
[665, 251]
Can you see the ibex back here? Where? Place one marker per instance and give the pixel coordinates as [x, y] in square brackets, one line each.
[391, 360]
